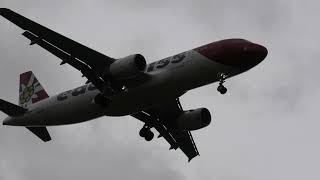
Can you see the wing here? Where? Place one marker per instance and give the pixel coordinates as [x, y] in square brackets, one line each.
[90, 62]
[160, 118]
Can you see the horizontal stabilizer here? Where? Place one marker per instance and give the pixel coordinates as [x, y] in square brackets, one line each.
[11, 109]
[41, 132]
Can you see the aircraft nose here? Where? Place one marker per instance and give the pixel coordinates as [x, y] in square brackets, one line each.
[238, 53]
[252, 55]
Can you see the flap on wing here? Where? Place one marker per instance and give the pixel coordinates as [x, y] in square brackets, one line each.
[66, 58]
[146, 118]
[94, 59]
[186, 143]
[157, 117]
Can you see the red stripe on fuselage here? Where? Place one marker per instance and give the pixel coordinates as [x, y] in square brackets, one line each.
[234, 52]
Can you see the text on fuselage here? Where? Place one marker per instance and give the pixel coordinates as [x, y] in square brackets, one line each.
[165, 62]
[76, 92]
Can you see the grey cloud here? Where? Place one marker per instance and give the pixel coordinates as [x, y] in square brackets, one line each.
[265, 128]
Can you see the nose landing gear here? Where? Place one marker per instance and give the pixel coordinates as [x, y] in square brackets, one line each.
[222, 77]
[222, 89]
[146, 133]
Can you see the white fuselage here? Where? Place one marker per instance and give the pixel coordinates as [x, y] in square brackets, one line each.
[167, 79]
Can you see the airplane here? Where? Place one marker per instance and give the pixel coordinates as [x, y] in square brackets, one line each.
[127, 86]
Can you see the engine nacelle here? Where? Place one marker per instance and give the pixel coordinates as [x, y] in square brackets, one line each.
[193, 119]
[128, 67]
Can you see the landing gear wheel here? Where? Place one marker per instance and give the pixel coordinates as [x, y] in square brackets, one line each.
[146, 133]
[143, 132]
[149, 136]
[222, 89]
[222, 77]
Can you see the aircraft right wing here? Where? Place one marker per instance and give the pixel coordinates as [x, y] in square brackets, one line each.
[91, 63]
[160, 119]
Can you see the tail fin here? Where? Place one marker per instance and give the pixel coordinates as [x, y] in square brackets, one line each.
[30, 90]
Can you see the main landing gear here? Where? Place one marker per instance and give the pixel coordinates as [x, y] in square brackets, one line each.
[222, 77]
[146, 133]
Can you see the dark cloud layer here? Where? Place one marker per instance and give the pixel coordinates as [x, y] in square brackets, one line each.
[266, 127]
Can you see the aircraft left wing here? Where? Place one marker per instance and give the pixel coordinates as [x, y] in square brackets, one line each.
[90, 62]
[160, 118]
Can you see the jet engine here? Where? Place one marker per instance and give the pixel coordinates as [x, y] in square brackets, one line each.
[193, 119]
[129, 67]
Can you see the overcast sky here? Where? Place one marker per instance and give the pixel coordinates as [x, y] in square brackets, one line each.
[265, 127]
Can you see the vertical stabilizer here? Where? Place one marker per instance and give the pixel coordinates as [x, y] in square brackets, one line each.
[30, 90]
